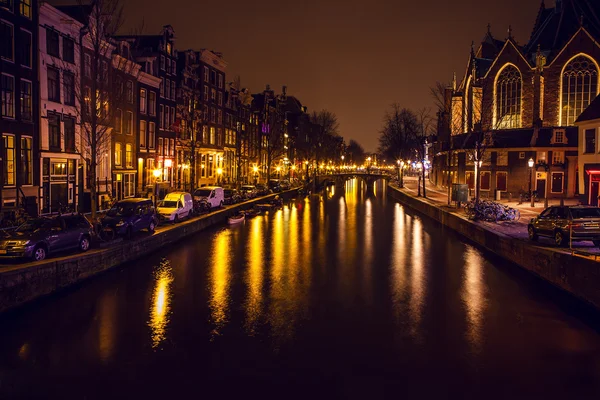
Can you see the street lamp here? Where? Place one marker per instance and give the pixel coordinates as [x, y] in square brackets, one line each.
[255, 170]
[278, 168]
[219, 173]
[156, 174]
[531, 163]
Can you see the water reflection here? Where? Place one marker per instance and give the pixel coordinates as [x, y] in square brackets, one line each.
[161, 301]
[417, 283]
[254, 276]
[107, 329]
[220, 265]
[473, 296]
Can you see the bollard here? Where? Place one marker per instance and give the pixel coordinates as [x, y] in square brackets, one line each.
[510, 197]
[521, 198]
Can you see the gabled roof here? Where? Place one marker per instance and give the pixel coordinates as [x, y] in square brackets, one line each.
[554, 27]
[519, 138]
[591, 112]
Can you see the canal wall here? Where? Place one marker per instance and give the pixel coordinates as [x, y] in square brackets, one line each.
[23, 283]
[579, 276]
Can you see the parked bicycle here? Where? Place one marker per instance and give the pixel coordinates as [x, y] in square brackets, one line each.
[491, 211]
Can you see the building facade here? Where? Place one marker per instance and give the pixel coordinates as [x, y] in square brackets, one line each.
[147, 123]
[19, 105]
[517, 102]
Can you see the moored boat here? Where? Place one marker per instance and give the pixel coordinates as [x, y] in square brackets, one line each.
[236, 219]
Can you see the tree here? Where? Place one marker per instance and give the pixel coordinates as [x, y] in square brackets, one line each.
[276, 128]
[325, 140]
[97, 90]
[355, 152]
[399, 129]
[420, 141]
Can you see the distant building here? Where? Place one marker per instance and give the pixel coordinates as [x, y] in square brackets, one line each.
[19, 105]
[589, 153]
[520, 102]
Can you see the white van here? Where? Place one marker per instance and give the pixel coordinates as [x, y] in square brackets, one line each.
[175, 206]
[212, 194]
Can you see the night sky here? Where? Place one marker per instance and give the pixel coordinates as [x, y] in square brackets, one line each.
[351, 57]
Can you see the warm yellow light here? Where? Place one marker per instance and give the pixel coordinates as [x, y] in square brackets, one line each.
[278, 169]
[140, 160]
[306, 162]
[368, 158]
[156, 173]
[255, 169]
[293, 167]
[219, 171]
[168, 163]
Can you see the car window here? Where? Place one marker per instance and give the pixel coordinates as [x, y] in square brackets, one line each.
[202, 192]
[546, 213]
[587, 212]
[560, 212]
[169, 204]
[71, 223]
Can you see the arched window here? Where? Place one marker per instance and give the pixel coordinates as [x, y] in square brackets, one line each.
[508, 98]
[579, 88]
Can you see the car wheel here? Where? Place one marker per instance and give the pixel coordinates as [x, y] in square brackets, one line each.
[151, 227]
[532, 235]
[39, 253]
[84, 243]
[176, 219]
[559, 238]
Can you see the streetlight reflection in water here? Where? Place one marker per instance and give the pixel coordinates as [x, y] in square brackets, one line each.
[161, 299]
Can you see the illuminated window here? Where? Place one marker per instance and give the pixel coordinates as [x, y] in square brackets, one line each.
[143, 101]
[151, 135]
[128, 155]
[142, 133]
[508, 98]
[9, 160]
[558, 157]
[579, 88]
[118, 153]
[25, 8]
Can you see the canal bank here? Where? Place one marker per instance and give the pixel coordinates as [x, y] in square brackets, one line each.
[578, 276]
[22, 283]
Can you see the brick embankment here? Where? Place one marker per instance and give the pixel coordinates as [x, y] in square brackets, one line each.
[22, 283]
[579, 276]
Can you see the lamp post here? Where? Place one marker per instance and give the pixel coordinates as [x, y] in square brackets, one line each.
[278, 169]
[368, 164]
[219, 173]
[156, 174]
[255, 169]
[530, 163]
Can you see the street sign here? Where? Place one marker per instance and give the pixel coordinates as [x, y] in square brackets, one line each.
[460, 192]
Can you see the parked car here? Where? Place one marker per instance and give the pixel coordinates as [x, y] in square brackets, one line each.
[261, 189]
[563, 222]
[285, 185]
[129, 216]
[231, 196]
[248, 191]
[211, 194]
[274, 185]
[39, 237]
[176, 206]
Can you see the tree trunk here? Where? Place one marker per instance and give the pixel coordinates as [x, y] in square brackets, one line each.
[423, 178]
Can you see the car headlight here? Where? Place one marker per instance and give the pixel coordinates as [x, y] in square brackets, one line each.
[20, 243]
[120, 223]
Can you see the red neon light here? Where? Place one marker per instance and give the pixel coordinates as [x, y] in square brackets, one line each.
[592, 171]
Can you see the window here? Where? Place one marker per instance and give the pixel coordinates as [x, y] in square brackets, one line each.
[590, 141]
[558, 157]
[142, 133]
[167, 118]
[128, 155]
[485, 180]
[7, 100]
[26, 161]
[501, 181]
[25, 48]
[559, 136]
[160, 146]
[502, 158]
[213, 116]
[557, 182]
[152, 103]
[52, 46]
[173, 93]
[69, 129]
[143, 101]
[87, 98]
[128, 185]
[521, 155]
[118, 153]
[220, 81]
[54, 131]
[151, 135]
[25, 8]
[205, 74]
[213, 78]
[213, 95]
[69, 88]
[172, 116]
[148, 67]
[9, 160]
[161, 123]
[508, 98]
[210, 165]
[162, 87]
[7, 41]
[162, 63]
[53, 85]
[128, 123]
[68, 50]
[25, 100]
[130, 92]
[540, 157]
[104, 71]
[220, 119]
[220, 99]
[579, 88]
[118, 120]
[87, 66]
[172, 147]
[205, 93]
[212, 135]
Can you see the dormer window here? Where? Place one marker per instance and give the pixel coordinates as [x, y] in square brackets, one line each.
[559, 136]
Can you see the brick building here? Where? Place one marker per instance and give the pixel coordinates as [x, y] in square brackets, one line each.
[517, 102]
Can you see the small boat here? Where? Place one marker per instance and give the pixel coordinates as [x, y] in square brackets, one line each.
[264, 206]
[252, 212]
[236, 219]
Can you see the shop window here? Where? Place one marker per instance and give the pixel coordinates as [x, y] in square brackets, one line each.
[557, 182]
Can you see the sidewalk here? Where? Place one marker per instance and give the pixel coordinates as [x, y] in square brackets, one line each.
[514, 229]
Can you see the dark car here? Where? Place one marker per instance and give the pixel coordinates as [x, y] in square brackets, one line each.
[248, 191]
[274, 185]
[231, 196]
[564, 222]
[129, 216]
[39, 237]
[261, 189]
[285, 185]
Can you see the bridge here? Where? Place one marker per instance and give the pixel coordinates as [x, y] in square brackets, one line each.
[340, 178]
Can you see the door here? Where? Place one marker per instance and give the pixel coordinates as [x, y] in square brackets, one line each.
[58, 195]
[541, 188]
[593, 192]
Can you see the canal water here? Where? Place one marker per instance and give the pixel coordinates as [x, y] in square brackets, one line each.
[349, 295]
